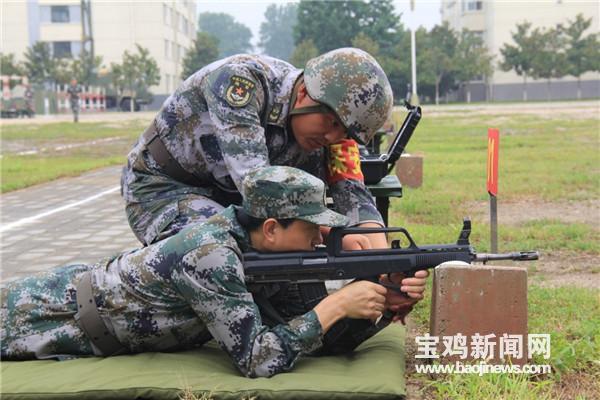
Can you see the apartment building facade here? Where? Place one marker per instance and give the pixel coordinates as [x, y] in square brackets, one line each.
[166, 28]
[495, 20]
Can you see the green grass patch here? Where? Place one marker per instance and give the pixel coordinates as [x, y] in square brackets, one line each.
[541, 160]
[68, 131]
[551, 159]
[571, 317]
[21, 172]
[53, 159]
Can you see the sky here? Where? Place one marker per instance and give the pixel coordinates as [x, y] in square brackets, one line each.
[251, 12]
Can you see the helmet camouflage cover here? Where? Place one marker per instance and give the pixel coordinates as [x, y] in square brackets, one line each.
[351, 82]
[286, 192]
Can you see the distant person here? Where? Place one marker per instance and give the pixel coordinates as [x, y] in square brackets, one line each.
[249, 111]
[28, 95]
[74, 90]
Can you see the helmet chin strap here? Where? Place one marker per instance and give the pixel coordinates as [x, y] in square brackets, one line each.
[317, 108]
[320, 108]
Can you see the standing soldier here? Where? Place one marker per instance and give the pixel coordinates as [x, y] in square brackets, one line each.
[74, 90]
[248, 111]
[28, 95]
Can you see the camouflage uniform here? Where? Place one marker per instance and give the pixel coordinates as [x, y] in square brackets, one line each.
[226, 119]
[177, 293]
[74, 91]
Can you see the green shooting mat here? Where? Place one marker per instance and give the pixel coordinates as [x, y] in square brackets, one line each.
[375, 370]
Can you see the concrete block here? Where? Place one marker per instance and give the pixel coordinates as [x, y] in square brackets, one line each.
[484, 300]
[409, 169]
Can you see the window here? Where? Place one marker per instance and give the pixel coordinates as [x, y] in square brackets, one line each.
[471, 5]
[478, 34]
[61, 49]
[166, 14]
[183, 25]
[167, 49]
[175, 20]
[59, 14]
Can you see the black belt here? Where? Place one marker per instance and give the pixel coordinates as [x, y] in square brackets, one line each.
[163, 157]
[90, 321]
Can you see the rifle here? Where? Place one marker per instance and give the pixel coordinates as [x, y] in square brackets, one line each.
[309, 270]
[332, 262]
[376, 166]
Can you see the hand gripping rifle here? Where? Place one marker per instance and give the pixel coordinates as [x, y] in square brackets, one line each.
[311, 269]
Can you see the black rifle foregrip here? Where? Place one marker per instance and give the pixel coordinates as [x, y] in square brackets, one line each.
[427, 261]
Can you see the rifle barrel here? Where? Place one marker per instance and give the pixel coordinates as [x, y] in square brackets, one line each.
[515, 256]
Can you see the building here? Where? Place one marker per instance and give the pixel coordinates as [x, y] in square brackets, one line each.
[166, 28]
[495, 20]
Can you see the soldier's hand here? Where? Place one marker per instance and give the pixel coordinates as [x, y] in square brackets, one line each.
[356, 242]
[414, 287]
[363, 299]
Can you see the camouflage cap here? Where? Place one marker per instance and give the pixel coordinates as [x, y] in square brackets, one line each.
[286, 192]
[354, 86]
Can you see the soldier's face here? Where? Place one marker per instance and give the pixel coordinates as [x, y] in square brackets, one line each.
[298, 236]
[315, 130]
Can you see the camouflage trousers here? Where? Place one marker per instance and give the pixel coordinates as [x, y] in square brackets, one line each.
[158, 219]
[37, 316]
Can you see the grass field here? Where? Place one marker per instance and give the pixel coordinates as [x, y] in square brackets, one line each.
[548, 163]
[545, 162]
[62, 149]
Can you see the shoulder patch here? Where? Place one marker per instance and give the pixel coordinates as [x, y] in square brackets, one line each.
[239, 92]
[275, 112]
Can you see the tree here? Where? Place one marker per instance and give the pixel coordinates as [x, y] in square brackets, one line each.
[328, 24]
[426, 75]
[439, 54]
[136, 73]
[85, 68]
[63, 71]
[233, 37]
[39, 64]
[333, 24]
[8, 65]
[472, 59]
[583, 53]
[364, 42]
[519, 57]
[304, 52]
[550, 60]
[277, 32]
[381, 23]
[204, 51]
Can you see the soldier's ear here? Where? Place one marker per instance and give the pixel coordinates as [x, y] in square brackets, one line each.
[270, 229]
[301, 95]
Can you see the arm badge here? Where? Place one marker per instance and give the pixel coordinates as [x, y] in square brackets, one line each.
[344, 162]
[239, 92]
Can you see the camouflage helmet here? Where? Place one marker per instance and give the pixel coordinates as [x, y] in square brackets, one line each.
[286, 192]
[354, 86]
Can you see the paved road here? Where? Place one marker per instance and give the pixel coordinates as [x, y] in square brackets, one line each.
[65, 221]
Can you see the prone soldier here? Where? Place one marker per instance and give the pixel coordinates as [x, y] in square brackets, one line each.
[182, 291]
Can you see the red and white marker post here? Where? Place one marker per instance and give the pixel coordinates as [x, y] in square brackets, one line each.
[492, 184]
